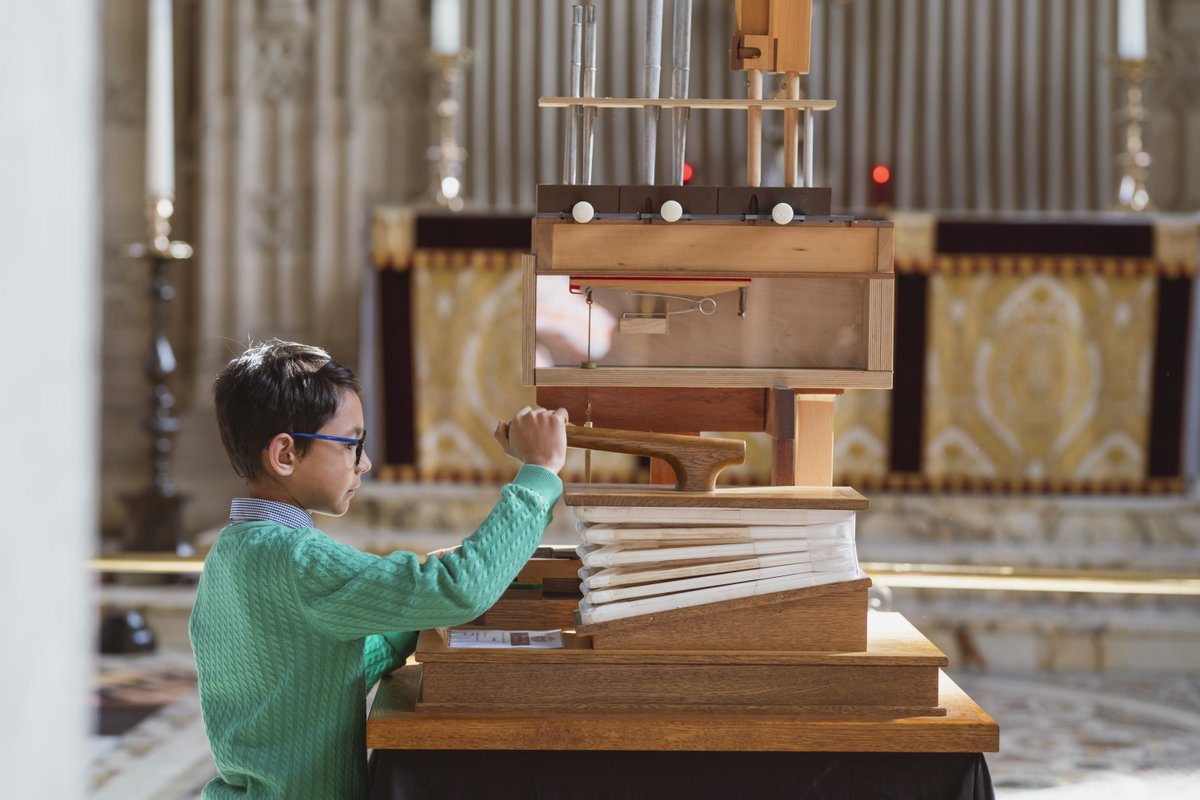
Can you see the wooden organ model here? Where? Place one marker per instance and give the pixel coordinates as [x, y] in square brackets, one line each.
[696, 617]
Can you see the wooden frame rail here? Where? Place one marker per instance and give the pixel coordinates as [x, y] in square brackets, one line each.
[881, 573]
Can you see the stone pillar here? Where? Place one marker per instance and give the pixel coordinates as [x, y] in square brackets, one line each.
[50, 249]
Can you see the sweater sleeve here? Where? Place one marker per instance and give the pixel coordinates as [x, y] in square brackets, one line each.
[350, 594]
[385, 652]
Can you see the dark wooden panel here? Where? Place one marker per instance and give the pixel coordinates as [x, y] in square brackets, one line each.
[662, 410]
[556, 198]
[1167, 395]
[466, 232]
[1010, 236]
[399, 402]
[908, 376]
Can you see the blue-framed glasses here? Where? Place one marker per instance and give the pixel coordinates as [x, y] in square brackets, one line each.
[358, 443]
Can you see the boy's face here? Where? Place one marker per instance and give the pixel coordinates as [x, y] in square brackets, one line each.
[325, 477]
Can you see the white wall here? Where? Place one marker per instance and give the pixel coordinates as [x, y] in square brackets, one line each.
[48, 399]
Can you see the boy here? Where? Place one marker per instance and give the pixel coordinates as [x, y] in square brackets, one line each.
[291, 628]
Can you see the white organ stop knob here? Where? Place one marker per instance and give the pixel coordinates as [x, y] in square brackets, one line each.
[671, 211]
[583, 211]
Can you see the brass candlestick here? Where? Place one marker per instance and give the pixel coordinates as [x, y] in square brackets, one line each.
[446, 155]
[1134, 161]
[155, 514]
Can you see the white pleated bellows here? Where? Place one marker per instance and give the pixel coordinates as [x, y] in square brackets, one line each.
[671, 211]
[782, 213]
[583, 211]
[646, 560]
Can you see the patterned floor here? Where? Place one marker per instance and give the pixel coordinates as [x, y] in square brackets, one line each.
[1064, 736]
[1096, 736]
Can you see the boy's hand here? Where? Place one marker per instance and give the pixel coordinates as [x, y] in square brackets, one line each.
[536, 436]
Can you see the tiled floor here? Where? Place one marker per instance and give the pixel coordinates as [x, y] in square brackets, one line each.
[1098, 736]
[1063, 737]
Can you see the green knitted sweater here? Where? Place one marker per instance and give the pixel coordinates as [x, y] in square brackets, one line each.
[291, 628]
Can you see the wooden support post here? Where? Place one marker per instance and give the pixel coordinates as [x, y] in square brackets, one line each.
[814, 439]
[754, 129]
[801, 430]
[808, 148]
[781, 427]
[791, 131]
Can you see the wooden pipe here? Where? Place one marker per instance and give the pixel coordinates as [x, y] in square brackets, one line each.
[697, 460]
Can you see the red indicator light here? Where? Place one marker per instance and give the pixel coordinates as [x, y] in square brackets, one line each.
[688, 172]
[881, 174]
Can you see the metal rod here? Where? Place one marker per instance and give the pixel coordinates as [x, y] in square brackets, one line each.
[681, 57]
[589, 88]
[571, 131]
[651, 78]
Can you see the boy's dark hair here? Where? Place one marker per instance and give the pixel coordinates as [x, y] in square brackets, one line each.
[276, 387]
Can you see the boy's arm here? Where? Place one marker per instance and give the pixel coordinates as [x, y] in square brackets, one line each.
[385, 652]
[350, 594]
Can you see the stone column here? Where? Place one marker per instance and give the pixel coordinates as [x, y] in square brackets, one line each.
[50, 248]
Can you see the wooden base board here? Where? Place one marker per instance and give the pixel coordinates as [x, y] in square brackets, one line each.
[394, 724]
[831, 618]
[598, 687]
[898, 668]
[808, 712]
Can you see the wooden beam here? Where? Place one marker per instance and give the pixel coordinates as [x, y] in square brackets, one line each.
[662, 410]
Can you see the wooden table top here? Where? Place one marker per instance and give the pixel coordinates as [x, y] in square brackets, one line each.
[394, 723]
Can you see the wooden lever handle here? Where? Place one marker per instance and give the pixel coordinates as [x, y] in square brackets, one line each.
[697, 460]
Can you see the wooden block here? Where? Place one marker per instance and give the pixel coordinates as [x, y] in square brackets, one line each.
[743, 56]
[814, 439]
[708, 248]
[535, 614]
[898, 668]
[821, 618]
[644, 325]
[791, 25]
[394, 724]
[841, 498]
[561, 587]
[538, 569]
[752, 16]
[557, 198]
[662, 410]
